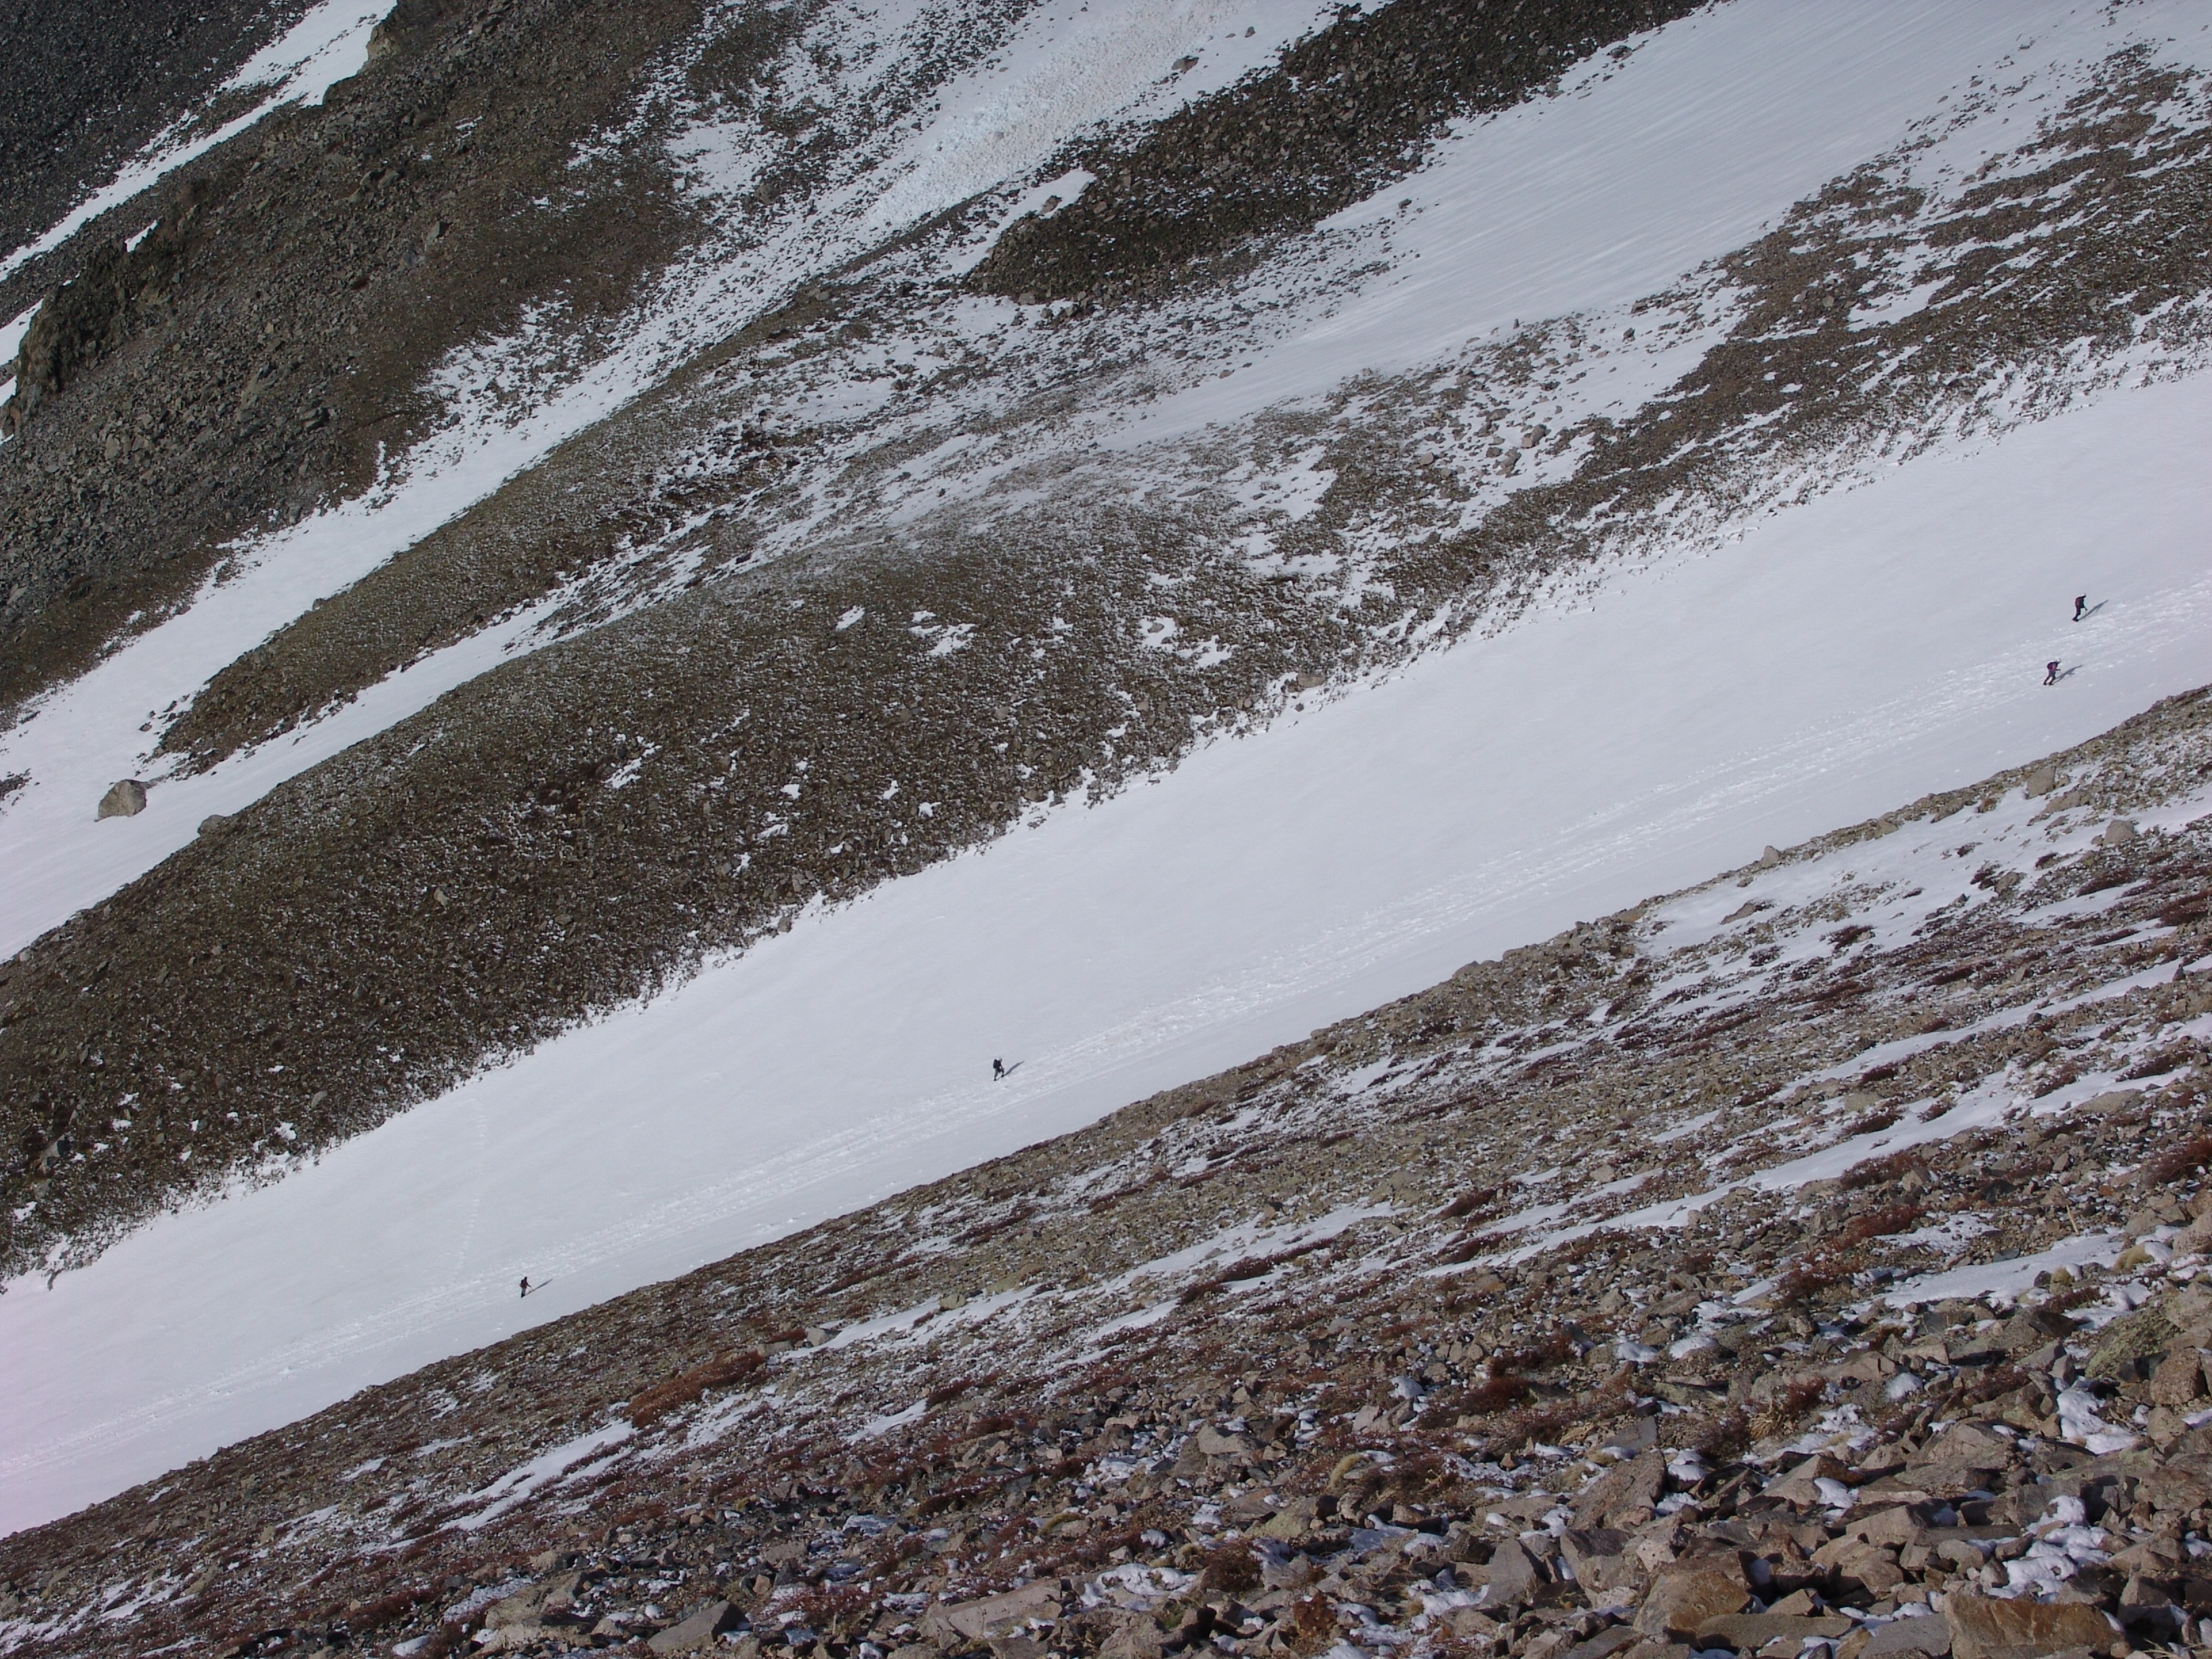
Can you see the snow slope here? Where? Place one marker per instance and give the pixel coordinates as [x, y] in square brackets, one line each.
[1643, 171]
[993, 124]
[1840, 659]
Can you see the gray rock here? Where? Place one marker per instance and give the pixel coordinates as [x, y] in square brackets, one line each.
[2131, 1346]
[527, 1607]
[1625, 1493]
[2112, 1100]
[1515, 1578]
[1925, 1636]
[1598, 1558]
[700, 1627]
[1768, 858]
[1983, 1628]
[1605, 1643]
[125, 799]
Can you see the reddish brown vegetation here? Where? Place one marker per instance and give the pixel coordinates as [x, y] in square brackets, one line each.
[656, 1402]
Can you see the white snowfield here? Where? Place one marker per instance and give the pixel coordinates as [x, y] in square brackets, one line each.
[1836, 660]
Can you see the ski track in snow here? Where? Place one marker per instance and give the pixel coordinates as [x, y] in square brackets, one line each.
[1839, 659]
[1836, 660]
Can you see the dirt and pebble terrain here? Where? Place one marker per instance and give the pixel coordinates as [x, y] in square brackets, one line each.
[755, 658]
[1811, 1262]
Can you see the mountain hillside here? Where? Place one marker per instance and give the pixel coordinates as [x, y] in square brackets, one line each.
[667, 650]
[1815, 1254]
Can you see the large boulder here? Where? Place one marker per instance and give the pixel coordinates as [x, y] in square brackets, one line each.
[1983, 1627]
[2179, 1380]
[530, 1606]
[1515, 1578]
[2132, 1345]
[1598, 1557]
[697, 1628]
[123, 799]
[1689, 1594]
[1907, 1639]
[992, 1616]
[1624, 1495]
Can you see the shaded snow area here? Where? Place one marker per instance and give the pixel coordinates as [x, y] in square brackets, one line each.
[1870, 1283]
[1837, 658]
[1864, 621]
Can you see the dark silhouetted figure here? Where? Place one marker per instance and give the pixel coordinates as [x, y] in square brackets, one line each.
[997, 1070]
[525, 1284]
[2051, 672]
[2081, 607]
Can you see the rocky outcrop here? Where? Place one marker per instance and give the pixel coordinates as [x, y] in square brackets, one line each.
[123, 799]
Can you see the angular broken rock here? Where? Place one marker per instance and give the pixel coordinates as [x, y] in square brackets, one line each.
[1768, 858]
[1747, 1632]
[125, 799]
[2178, 1379]
[1214, 1444]
[1624, 1495]
[1515, 1578]
[1598, 1557]
[698, 1629]
[1684, 1596]
[1138, 1638]
[2129, 1340]
[1289, 1524]
[1982, 1628]
[2185, 1484]
[1907, 1639]
[1965, 1443]
[528, 1606]
[991, 1616]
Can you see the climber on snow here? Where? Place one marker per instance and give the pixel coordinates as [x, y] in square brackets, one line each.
[2051, 672]
[997, 1070]
[2080, 603]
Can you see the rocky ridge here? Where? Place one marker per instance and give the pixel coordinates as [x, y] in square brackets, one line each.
[1812, 1262]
